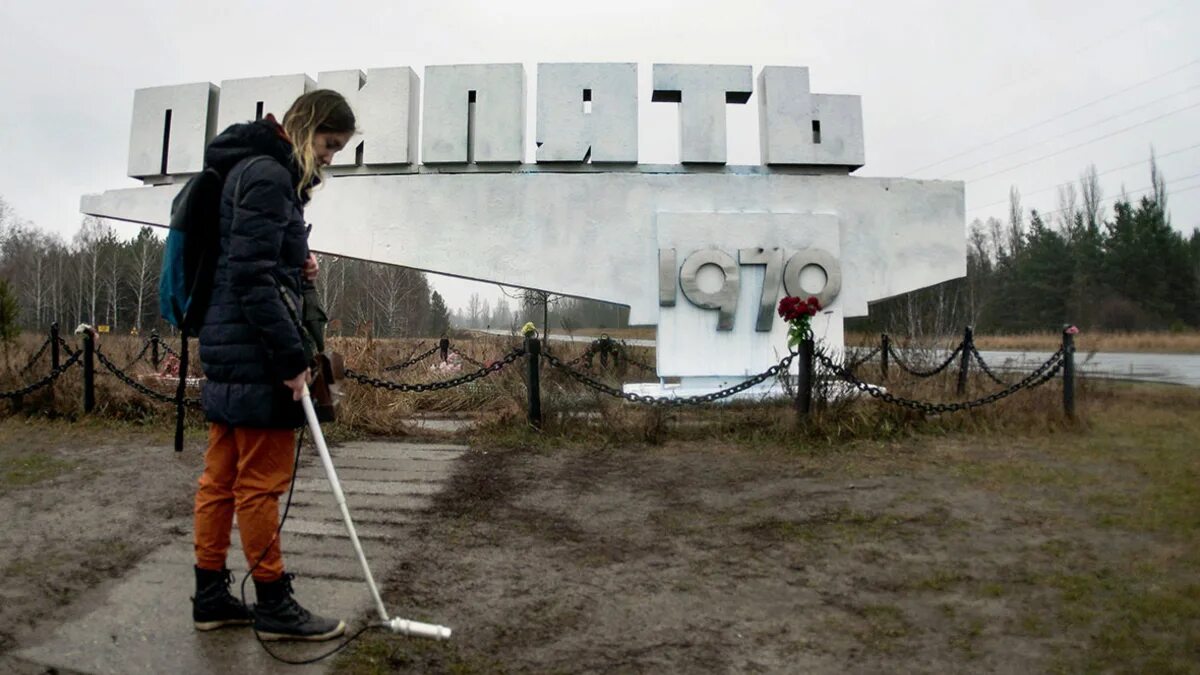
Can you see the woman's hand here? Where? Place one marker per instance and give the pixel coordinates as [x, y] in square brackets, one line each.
[297, 383]
[311, 267]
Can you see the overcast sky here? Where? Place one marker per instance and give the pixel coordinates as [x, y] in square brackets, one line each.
[1021, 92]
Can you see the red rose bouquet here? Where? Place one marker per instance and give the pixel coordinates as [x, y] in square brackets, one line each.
[798, 313]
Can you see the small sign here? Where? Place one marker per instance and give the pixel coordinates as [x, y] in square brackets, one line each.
[102, 328]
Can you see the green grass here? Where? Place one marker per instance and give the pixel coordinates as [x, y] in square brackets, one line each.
[30, 468]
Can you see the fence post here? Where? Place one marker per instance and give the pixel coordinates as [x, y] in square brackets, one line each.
[533, 351]
[965, 362]
[444, 346]
[89, 370]
[1068, 346]
[154, 348]
[804, 378]
[885, 348]
[54, 345]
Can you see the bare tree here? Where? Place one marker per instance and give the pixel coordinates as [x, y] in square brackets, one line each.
[474, 310]
[146, 262]
[1089, 187]
[1069, 216]
[1016, 222]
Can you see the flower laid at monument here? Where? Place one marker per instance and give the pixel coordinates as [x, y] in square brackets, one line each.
[798, 313]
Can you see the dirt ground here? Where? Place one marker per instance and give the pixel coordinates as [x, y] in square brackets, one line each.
[1076, 550]
[81, 504]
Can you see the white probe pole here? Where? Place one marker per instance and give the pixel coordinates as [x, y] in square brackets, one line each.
[397, 625]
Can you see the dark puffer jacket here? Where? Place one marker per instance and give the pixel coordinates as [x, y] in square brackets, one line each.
[249, 343]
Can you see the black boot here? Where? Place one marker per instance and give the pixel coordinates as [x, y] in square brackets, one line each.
[278, 616]
[213, 606]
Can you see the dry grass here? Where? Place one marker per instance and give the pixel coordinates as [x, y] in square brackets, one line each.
[572, 411]
[1184, 342]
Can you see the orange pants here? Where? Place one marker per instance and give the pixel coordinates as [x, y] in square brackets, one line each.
[245, 471]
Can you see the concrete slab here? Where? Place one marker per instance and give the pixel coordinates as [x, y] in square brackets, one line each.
[372, 487]
[145, 627]
[142, 624]
[358, 502]
[381, 474]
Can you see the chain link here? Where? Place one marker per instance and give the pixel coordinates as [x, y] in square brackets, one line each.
[436, 386]
[167, 348]
[67, 348]
[928, 373]
[413, 361]
[122, 376]
[475, 362]
[645, 367]
[145, 348]
[1044, 373]
[34, 360]
[984, 366]
[52, 376]
[672, 401]
[858, 362]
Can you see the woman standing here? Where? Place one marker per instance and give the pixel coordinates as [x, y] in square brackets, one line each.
[256, 359]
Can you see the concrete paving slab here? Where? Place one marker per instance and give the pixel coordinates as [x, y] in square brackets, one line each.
[416, 467]
[437, 453]
[357, 502]
[378, 474]
[371, 487]
[145, 627]
[143, 623]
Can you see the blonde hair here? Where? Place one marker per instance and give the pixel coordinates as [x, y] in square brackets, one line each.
[317, 111]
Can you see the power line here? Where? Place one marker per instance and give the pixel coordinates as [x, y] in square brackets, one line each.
[1102, 173]
[1055, 117]
[1072, 131]
[1126, 27]
[1080, 145]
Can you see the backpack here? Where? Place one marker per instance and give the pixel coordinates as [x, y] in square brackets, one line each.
[190, 256]
[189, 267]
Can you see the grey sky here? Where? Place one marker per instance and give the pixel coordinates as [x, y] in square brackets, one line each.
[938, 80]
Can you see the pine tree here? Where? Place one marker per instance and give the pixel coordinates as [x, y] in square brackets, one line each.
[439, 316]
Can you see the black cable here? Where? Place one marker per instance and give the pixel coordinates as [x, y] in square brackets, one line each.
[283, 519]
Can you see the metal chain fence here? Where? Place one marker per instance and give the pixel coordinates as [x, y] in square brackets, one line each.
[925, 373]
[1039, 376]
[51, 377]
[138, 386]
[33, 361]
[436, 386]
[672, 401]
[414, 360]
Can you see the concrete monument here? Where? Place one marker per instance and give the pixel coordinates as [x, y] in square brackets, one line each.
[702, 250]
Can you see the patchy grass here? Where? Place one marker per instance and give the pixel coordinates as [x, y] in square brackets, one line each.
[25, 469]
[983, 546]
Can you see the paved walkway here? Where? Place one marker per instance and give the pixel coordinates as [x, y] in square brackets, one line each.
[144, 625]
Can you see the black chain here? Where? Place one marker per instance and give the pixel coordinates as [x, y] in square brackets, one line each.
[926, 373]
[983, 365]
[634, 362]
[1044, 373]
[52, 376]
[468, 359]
[858, 362]
[167, 348]
[122, 376]
[145, 348]
[34, 360]
[414, 360]
[66, 347]
[436, 386]
[669, 400]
